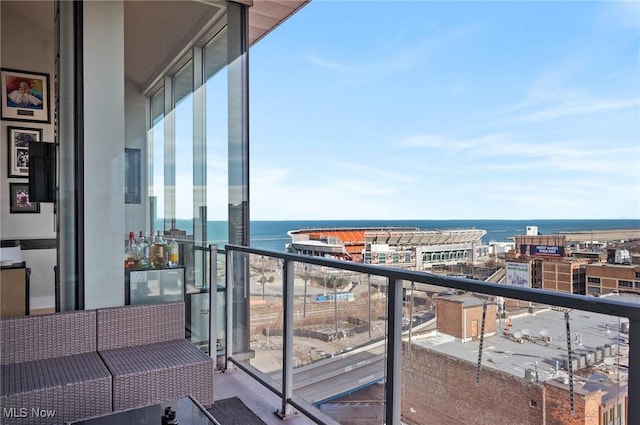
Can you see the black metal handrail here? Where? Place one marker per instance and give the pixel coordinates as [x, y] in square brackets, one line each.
[395, 279]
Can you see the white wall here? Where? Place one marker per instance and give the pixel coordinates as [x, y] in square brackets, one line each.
[104, 153]
[28, 50]
[136, 112]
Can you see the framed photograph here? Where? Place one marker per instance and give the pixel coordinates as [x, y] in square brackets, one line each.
[19, 140]
[19, 199]
[25, 96]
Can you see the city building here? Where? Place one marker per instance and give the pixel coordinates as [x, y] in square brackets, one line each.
[566, 275]
[541, 245]
[462, 316]
[607, 278]
[524, 373]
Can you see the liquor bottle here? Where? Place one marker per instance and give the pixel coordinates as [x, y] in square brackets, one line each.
[174, 253]
[159, 252]
[145, 251]
[132, 254]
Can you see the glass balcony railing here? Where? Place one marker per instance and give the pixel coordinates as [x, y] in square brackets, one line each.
[375, 345]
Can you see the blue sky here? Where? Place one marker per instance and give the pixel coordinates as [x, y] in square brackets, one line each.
[448, 110]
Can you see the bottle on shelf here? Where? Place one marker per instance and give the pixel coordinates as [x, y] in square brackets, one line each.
[132, 254]
[174, 253]
[158, 252]
[145, 251]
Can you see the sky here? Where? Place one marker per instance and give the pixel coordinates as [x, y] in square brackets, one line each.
[447, 110]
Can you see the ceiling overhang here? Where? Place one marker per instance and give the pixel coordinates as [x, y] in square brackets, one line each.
[265, 15]
[173, 27]
[157, 33]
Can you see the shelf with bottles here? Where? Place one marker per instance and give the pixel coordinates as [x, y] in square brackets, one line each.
[153, 253]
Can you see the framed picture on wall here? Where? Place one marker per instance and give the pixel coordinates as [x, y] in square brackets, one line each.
[132, 176]
[19, 199]
[19, 140]
[25, 96]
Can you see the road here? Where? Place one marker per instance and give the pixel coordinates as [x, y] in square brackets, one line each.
[333, 377]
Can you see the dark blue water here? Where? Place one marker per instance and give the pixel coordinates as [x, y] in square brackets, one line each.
[273, 234]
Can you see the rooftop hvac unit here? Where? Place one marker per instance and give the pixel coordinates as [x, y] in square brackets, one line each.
[590, 358]
[582, 361]
[599, 353]
[530, 375]
[574, 364]
[624, 327]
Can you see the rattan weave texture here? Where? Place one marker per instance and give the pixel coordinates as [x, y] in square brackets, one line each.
[30, 338]
[30, 376]
[50, 364]
[148, 357]
[132, 325]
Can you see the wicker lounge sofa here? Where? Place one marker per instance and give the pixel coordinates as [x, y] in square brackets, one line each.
[145, 349]
[51, 372]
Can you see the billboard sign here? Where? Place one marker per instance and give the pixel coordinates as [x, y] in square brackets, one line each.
[518, 274]
[542, 250]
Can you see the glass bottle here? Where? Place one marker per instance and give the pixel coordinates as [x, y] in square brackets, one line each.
[145, 251]
[159, 252]
[132, 254]
[174, 253]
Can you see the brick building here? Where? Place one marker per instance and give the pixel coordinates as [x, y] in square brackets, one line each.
[562, 275]
[541, 245]
[448, 395]
[606, 278]
[522, 381]
[461, 316]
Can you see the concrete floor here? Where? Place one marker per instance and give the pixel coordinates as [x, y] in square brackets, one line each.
[256, 397]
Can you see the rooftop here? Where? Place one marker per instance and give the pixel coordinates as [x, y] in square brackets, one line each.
[543, 347]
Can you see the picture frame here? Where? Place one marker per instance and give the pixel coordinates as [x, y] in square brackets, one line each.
[25, 96]
[132, 176]
[19, 199]
[18, 141]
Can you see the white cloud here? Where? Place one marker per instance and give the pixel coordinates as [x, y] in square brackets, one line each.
[577, 107]
[437, 141]
[382, 171]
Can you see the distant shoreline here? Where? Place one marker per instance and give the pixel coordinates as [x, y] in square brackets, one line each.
[601, 235]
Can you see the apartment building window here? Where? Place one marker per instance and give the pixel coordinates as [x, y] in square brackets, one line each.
[625, 284]
[593, 280]
[593, 290]
[637, 275]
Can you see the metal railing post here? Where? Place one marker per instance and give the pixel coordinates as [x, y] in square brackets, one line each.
[287, 334]
[395, 278]
[394, 353]
[633, 391]
[228, 342]
[213, 301]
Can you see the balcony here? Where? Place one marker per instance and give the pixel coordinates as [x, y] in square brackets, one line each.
[337, 340]
[315, 340]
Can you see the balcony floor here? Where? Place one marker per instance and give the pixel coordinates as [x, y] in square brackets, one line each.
[260, 400]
